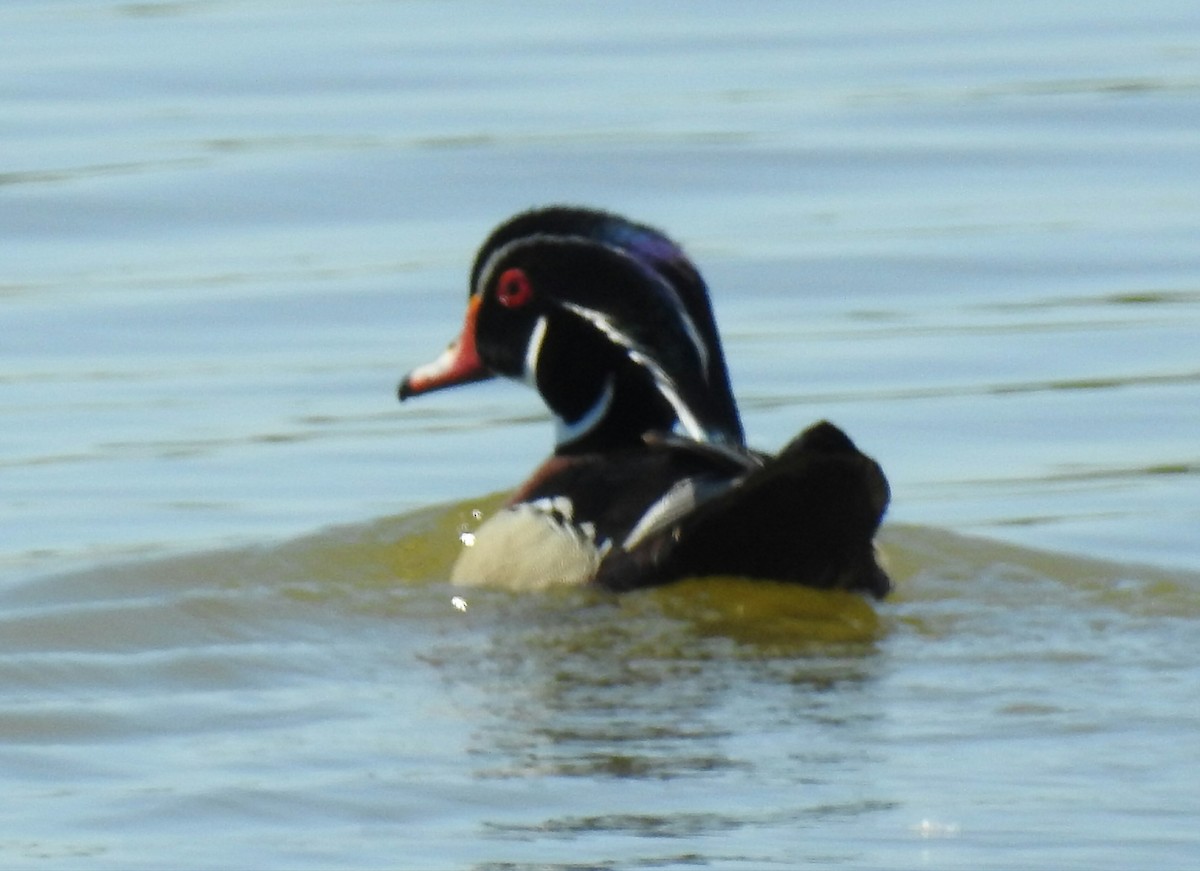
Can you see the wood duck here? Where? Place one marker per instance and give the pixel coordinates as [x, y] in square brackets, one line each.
[650, 480]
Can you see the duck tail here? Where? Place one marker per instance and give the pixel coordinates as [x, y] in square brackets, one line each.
[808, 516]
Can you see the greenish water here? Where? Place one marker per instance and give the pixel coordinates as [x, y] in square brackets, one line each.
[965, 234]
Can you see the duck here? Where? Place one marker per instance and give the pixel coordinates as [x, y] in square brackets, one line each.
[650, 480]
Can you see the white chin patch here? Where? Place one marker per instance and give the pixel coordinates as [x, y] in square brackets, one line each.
[530, 546]
[533, 351]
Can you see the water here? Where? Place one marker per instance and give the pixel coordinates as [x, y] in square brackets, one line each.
[966, 234]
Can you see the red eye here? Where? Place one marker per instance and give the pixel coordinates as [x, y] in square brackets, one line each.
[513, 289]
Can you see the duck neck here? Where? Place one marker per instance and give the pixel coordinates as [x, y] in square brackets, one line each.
[618, 416]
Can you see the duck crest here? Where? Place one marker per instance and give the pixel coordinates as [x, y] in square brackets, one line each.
[683, 303]
[650, 480]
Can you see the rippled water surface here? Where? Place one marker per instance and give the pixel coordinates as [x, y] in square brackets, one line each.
[966, 233]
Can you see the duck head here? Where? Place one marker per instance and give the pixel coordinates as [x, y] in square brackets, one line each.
[608, 320]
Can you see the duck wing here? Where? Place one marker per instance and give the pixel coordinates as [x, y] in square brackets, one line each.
[808, 515]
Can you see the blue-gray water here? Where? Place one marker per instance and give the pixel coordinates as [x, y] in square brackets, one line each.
[967, 233]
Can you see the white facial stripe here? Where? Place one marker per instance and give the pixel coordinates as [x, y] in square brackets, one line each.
[666, 387]
[689, 327]
[662, 381]
[489, 265]
[681, 312]
[601, 322]
[485, 273]
[533, 351]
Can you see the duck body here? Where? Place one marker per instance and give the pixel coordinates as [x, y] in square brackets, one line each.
[650, 480]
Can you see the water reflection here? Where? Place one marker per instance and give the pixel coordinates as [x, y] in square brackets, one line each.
[649, 685]
[721, 708]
